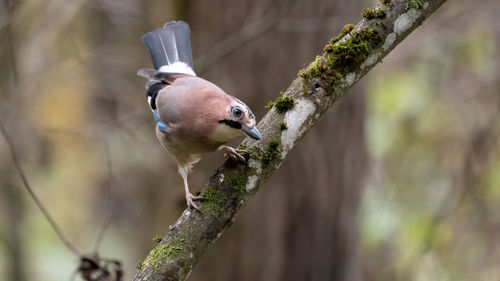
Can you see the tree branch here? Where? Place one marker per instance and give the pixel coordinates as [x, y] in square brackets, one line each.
[346, 59]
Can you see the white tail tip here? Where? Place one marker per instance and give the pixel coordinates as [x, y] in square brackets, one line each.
[177, 67]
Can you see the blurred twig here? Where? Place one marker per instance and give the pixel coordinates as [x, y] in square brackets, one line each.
[258, 28]
[107, 219]
[27, 185]
[247, 33]
[234, 41]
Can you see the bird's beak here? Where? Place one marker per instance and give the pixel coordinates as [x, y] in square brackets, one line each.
[252, 132]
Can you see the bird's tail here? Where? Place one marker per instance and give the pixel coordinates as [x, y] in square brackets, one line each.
[169, 48]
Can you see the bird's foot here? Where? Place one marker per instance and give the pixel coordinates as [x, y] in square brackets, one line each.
[230, 152]
[190, 198]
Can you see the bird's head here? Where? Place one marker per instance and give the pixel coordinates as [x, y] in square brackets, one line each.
[239, 117]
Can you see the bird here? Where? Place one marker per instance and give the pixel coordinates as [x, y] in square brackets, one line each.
[193, 116]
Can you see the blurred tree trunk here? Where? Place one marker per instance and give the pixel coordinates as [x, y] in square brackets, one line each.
[11, 233]
[17, 267]
[12, 206]
[313, 200]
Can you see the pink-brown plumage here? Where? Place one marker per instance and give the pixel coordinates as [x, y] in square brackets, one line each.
[191, 107]
[193, 116]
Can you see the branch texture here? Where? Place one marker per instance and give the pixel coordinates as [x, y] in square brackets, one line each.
[346, 58]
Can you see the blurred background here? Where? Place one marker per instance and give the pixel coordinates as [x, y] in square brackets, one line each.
[400, 180]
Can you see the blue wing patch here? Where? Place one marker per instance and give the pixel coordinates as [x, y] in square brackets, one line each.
[161, 125]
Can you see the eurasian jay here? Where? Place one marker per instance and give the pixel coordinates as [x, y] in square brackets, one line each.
[192, 115]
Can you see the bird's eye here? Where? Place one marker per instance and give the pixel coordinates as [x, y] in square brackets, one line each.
[236, 112]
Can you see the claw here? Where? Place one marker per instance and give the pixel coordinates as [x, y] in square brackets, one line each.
[190, 198]
[234, 153]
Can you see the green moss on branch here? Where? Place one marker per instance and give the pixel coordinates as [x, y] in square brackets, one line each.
[268, 154]
[157, 238]
[345, 30]
[237, 181]
[164, 252]
[283, 126]
[282, 103]
[414, 4]
[369, 13]
[342, 57]
[213, 201]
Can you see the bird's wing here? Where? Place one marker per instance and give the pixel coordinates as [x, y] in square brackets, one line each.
[190, 99]
[173, 102]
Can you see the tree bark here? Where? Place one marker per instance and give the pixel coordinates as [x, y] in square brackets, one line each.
[346, 59]
[304, 223]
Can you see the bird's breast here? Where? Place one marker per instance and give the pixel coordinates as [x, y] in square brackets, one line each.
[181, 141]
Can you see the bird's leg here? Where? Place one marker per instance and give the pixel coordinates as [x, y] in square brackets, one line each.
[230, 152]
[190, 198]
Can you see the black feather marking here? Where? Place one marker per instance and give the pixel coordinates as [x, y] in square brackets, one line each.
[153, 90]
[231, 123]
